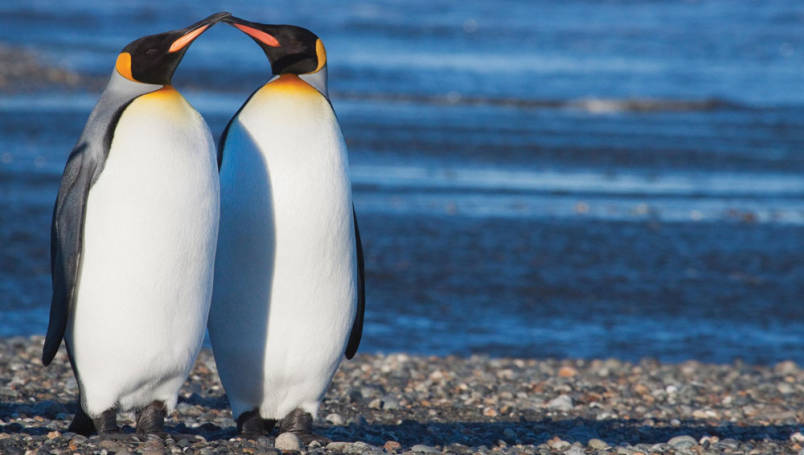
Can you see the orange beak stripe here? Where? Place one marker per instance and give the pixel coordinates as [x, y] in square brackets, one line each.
[259, 35]
[185, 40]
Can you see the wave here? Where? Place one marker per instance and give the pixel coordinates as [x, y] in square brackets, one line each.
[580, 181]
[591, 105]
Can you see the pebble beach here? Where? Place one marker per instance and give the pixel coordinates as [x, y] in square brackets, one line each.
[400, 403]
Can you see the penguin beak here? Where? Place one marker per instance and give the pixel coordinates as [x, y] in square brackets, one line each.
[253, 30]
[190, 33]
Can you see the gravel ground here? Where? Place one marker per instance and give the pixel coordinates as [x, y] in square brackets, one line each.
[401, 403]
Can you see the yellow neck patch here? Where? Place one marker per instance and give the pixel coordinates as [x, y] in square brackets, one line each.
[289, 84]
[123, 65]
[321, 53]
[166, 100]
[165, 93]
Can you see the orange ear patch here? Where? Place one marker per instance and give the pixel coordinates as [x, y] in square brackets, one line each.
[321, 53]
[188, 38]
[259, 35]
[123, 65]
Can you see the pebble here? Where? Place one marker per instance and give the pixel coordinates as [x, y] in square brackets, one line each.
[287, 441]
[682, 442]
[392, 446]
[337, 446]
[560, 403]
[557, 443]
[574, 451]
[597, 444]
[334, 419]
[421, 448]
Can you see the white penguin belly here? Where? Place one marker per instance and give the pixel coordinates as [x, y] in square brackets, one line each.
[149, 248]
[285, 280]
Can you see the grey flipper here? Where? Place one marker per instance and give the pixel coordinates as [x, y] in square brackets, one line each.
[357, 327]
[67, 229]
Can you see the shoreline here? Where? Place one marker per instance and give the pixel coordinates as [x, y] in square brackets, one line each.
[403, 403]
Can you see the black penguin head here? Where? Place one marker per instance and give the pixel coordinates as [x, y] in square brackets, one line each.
[153, 59]
[290, 49]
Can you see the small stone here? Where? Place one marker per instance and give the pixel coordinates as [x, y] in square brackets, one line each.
[109, 445]
[708, 440]
[557, 443]
[392, 446]
[598, 444]
[421, 448]
[574, 451]
[786, 367]
[334, 419]
[53, 435]
[490, 412]
[682, 442]
[287, 441]
[337, 446]
[360, 447]
[509, 433]
[560, 403]
[728, 443]
[567, 372]
[797, 437]
[785, 388]
[375, 404]
[389, 403]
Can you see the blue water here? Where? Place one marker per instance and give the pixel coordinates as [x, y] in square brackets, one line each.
[532, 178]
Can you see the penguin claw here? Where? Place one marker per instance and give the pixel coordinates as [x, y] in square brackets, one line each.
[106, 424]
[300, 423]
[151, 420]
[251, 426]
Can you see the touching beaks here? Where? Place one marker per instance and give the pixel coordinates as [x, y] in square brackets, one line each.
[195, 30]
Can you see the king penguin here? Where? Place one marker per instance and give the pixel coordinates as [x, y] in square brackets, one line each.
[133, 241]
[288, 297]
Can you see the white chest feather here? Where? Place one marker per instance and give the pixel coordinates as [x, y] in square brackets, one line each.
[285, 280]
[149, 248]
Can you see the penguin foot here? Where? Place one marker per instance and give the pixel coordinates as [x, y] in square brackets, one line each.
[251, 426]
[300, 423]
[151, 419]
[82, 424]
[106, 424]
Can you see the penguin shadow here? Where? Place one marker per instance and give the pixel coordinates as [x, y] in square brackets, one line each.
[248, 222]
[613, 431]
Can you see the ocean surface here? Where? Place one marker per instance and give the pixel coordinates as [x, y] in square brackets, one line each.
[532, 178]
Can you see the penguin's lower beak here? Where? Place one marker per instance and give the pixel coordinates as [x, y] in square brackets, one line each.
[192, 32]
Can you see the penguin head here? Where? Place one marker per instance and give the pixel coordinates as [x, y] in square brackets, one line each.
[290, 49]
[153, 59]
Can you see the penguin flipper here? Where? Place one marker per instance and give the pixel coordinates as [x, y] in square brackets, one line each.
[357, 327]
[66, 240]
[225, 133]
